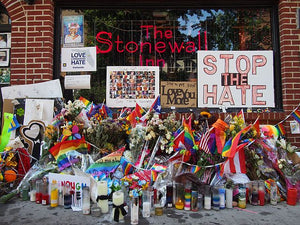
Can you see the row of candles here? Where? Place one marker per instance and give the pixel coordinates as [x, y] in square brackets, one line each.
[178, 195]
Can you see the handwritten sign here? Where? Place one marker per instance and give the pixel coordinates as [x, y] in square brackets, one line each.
[178, 94]
[76, 184]
[78, 82]
[78, 59]
[235, 79]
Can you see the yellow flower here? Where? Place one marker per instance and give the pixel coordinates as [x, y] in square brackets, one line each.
[231, 127]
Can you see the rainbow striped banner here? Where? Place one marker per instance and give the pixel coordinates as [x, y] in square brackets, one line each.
[296, 115]
[280, 128]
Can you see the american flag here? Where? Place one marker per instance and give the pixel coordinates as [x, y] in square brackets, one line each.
[203, 142]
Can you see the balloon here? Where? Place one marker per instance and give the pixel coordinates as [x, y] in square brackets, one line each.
[270, 131]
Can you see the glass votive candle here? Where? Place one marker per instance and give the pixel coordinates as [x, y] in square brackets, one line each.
[39, 190]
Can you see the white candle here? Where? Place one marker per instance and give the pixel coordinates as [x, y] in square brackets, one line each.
[146, 209]
[102, 190]
[135, 211]
[32, 195]
[118, 199]
[207, 202]
[229, 198]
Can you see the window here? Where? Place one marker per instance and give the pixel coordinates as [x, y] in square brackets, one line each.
[170, 38]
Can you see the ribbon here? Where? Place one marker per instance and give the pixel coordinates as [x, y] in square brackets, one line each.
[117, 211]
[102, 197]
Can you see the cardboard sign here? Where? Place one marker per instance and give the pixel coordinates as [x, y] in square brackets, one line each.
[78, 59]
[235, 79]
[76, 183]
[178, 94]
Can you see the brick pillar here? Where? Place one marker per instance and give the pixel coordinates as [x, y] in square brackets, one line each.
[32, 38]
[290, 59]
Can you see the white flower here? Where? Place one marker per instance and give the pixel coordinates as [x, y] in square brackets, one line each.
[161, 127]
[170, 150]
[152, 134]
[149, 137]
[168, 136]
[280, 166]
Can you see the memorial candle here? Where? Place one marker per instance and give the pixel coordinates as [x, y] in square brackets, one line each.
[118, 211]
[102, 199]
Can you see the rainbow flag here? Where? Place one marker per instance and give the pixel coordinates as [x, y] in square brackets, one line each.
[66, 146]
[296, 115]
[114, 156]
[231, 146]
[281, 129]
[189, 140]
[85, 101]
[195, 169]
[127, 166]
[158, 168]
[68, 159]
[219, 128]
[153, 176]
[98, 169]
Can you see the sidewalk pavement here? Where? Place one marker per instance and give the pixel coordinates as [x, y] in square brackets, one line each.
[17, 212]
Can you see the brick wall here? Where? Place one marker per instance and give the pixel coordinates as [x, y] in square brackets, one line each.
[31, 40]
[290, 60]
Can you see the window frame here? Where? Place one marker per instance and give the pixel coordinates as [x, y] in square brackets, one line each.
[272, 4]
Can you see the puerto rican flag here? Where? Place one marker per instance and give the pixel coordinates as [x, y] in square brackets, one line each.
[237, 164]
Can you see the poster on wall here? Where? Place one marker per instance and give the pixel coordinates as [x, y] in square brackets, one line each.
[4, 57]
[5, 40]
[78, 59]
[235, 79]
[178, 94]
[4, 75]
[73, 31]
[128, 85]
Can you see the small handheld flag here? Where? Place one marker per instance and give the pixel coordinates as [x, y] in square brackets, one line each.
[14, 124]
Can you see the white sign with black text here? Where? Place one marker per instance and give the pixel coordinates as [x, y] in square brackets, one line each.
[78, 59]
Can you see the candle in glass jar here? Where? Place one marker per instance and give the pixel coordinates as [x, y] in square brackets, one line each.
[54, 194]
[32, 195]
[118, 200]
[86, 204]
[134, 211]
[102, 191]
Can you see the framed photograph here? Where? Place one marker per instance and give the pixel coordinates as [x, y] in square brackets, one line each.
[5, 40]
[128, 85]
[4, 57]
[4, 75]
[73, 31]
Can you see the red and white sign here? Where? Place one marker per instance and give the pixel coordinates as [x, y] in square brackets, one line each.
[235, 79]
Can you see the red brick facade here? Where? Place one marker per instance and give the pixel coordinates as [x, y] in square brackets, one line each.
[33, 41]
[290, 59]
[32, 28]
